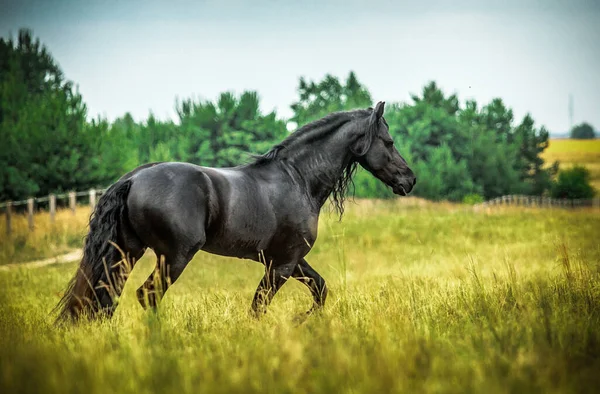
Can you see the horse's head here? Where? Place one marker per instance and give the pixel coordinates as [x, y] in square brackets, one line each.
[375, 151]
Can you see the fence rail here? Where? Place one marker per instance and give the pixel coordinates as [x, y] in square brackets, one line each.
[540, 202]
[92, 194]
[33, 203]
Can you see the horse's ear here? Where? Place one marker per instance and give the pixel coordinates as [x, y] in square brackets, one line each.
[363, 141]
[377, 112]
[379, 109]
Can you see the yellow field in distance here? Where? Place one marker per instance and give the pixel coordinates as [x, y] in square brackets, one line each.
[570, 152]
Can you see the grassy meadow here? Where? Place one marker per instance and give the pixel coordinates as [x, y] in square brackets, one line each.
[47, 239]
[570, 152]
[423, 297]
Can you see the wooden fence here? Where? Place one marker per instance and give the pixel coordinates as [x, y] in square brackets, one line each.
[93, 194]
[540, 202]
[34, 203]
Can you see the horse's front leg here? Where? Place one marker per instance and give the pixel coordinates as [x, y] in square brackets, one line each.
[304, 273]
[275, 277]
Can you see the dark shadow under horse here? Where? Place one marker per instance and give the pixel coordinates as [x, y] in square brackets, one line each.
[266, 211]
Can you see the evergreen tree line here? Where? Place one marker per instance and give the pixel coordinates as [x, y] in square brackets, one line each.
[48, 144]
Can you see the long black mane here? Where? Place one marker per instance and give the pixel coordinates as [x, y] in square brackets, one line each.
[315, 131]
[311, 132]
[341, 187]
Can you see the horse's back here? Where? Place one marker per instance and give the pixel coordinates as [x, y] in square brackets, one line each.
[164, 183]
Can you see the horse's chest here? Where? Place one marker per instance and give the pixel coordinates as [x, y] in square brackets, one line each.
[296, 238]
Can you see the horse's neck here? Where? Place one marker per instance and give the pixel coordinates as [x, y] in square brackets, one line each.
[321, 167]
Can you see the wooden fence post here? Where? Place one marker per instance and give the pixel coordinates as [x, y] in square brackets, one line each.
[52, 202]
[72, 202]
[30, 213]
[92, 198]
[8, 217]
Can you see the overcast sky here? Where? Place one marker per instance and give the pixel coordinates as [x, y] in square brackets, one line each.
[139, 55]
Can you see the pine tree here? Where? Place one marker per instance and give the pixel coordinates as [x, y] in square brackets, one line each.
[46, 144]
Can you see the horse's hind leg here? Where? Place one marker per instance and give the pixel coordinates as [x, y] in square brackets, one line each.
[168, 269]
[304, 273]
[165, 273]
[128, 251]
[274, 278]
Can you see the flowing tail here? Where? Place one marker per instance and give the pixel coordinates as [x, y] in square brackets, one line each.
[89, 290]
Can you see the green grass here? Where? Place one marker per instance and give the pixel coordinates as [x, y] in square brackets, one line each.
[423, 298]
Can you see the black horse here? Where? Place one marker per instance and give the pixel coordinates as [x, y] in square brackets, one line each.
[265, 211]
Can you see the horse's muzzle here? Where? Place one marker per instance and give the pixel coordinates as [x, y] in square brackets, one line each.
[405, 186]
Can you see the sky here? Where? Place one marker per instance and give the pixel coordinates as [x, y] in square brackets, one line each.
[139, 56]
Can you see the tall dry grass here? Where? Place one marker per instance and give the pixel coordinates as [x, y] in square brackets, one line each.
[47, 239]
[423, 298]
